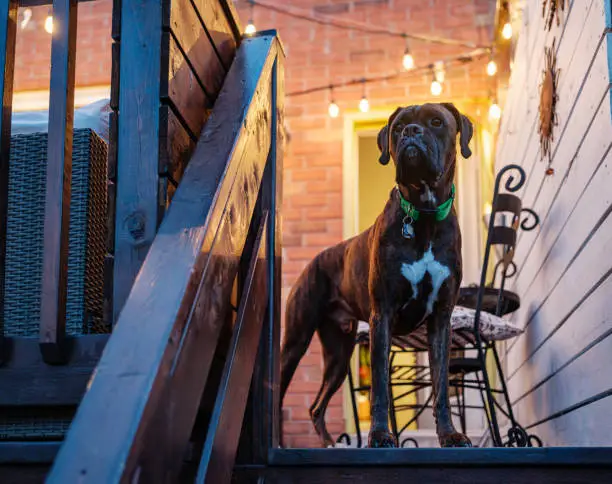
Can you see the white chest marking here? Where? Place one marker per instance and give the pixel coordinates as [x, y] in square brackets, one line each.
[428, 195]
[416, 271]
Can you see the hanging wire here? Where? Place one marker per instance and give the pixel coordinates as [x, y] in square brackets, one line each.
[357, 26]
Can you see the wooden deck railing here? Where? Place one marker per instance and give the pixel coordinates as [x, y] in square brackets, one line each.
[166, 76]
[178, 345]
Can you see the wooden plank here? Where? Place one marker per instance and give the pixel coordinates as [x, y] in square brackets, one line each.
[182, 88]
[457, 474]
[595, 457]
[574, 385]
[28, 380]
[175, 147]
[137, 209]
[576, 212]
[226, 420]
[189, 33]
[573, 336]
[8, 31]
[58, 181]
[115, 71]
[233, 18]
[155, 366]
[523, 142]
[23, 474]
[577, 64]
[27, 453]
[275, 257]
[586, 272]
[116, 21]
[221, 26]
[587, 426]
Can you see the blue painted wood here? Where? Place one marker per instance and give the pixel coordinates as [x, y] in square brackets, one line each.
[466, 457]
[226, 420]
[59, 178]
[138, 209]
[142, 403]
[8, 30]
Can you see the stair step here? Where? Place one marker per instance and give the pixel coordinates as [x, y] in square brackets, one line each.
[542, 465]
[26, 462]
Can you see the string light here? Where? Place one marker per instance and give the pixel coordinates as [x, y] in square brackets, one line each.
[49, 24]
[250, 28]
[364, 104]
[333, 108]
[507, 31]
[27, 16]
[439, 71]
[492, 66]
[407, 60]
[495, 111]
[345, 24]
[436, 86]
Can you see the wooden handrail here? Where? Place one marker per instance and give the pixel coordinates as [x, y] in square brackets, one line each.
[136, 419]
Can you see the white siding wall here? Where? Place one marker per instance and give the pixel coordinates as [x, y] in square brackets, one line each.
[560, 370]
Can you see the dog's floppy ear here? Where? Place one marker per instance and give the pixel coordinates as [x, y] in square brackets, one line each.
[384, 141]
[465, 128]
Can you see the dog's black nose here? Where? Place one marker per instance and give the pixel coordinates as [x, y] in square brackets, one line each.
[413, 130]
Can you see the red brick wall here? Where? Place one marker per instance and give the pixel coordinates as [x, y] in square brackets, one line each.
[93, 61]
[317, 55]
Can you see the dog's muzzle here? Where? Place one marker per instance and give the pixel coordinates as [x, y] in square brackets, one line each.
[417, 161]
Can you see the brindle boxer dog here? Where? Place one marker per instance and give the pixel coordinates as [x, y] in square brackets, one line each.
[402, 272]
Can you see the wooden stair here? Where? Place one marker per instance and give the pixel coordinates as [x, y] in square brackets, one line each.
[561, 465]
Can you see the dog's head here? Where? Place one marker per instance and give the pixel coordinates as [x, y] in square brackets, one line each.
[421, 140]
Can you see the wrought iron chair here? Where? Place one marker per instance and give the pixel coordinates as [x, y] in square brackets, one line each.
[470, 351]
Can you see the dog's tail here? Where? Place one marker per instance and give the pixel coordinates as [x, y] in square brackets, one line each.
[305, 310]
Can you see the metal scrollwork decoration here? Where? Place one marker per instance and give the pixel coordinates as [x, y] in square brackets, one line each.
[344, 439]
[548, 102]
[551, 10]
[512, 185]
[518, 437]
[531, 221]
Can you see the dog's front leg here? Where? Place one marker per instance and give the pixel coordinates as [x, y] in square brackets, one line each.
[380, 346]
[438, 335]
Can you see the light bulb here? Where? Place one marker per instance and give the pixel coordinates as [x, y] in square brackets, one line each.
[436, 88]
[408, 60]
[507, 31]
[492, 68]
[27, 16]
[495, 111]
[333, 109]
[364, 105]
[49, 24]
[250, 28]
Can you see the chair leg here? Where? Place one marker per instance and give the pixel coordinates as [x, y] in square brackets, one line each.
[354, 405]
[497, 441]
[392, 414]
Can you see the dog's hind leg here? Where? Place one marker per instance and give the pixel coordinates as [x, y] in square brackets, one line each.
[338, 347]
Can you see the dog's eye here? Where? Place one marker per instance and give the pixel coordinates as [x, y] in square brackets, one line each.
[435, 122]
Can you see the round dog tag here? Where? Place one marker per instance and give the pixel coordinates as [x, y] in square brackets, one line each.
[407, 228]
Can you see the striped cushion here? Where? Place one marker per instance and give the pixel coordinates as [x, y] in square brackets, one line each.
[492, 328]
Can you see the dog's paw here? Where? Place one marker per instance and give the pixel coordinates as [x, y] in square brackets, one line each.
[380, 439]
[455, 439]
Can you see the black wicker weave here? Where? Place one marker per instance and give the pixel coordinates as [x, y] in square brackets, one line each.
[24, 245]
[24, 259]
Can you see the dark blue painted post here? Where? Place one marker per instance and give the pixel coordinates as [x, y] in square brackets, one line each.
[59, 177]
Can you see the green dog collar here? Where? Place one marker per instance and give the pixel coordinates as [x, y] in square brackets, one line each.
[440, 213]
